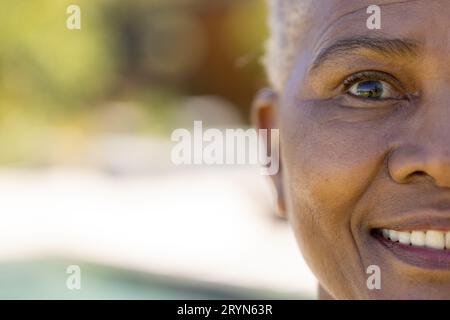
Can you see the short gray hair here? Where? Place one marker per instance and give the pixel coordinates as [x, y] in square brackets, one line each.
[287, 19]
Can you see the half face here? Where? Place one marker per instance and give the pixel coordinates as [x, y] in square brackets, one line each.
[365, 148]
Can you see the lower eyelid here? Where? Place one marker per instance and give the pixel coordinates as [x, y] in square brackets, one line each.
[352, 101]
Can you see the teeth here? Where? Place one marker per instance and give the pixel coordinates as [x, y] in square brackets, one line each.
[404, 237]
[393, 235]
[430, 238]
[447, 240]
[435, 239]
[418, 238]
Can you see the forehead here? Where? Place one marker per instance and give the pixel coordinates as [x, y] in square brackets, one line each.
[425, 21]
[406, 18]
[335, 9]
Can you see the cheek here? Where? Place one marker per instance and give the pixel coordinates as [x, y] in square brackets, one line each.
[330, 161]
[327, 166]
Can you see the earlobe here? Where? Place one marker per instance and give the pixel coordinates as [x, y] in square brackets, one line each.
[279, 193]
[264, 114]
[263, 109]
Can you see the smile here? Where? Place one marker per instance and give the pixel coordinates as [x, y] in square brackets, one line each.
[428, 238]
[426, 249]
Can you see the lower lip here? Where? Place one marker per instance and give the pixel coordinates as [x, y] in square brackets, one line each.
[421, 257]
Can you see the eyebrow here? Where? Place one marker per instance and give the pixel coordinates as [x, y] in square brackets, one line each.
[384, 46]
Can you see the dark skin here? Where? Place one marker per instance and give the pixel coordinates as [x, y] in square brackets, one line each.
[359, 156]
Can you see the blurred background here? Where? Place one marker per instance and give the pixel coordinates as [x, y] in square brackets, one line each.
[86, 177]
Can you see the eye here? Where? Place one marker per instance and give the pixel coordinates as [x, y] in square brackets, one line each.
[373, 85]
[372, 90]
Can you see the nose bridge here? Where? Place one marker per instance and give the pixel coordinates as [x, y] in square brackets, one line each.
[426, 147]
[422, 147]
[433, 129]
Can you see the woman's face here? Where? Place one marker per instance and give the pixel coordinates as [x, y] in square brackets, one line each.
[365, 145]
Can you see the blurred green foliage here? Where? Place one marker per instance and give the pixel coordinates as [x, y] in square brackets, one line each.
[149, 54]
[48, 74]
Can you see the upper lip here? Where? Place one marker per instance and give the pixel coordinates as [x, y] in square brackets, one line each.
[418, 219]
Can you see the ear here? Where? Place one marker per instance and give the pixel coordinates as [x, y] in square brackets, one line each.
[264, 113]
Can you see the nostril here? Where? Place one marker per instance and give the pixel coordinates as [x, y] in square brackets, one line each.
[418, 173]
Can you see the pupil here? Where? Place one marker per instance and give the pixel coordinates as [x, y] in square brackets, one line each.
[370, 89]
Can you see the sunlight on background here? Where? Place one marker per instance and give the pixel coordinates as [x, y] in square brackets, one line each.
[85, 123]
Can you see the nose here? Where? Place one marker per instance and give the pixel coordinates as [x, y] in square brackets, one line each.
[423, 150]
[414, 162]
